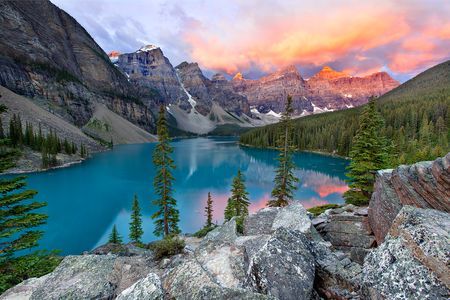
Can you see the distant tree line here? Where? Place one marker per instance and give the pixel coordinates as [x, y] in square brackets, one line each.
[48, 144]
[418, 128]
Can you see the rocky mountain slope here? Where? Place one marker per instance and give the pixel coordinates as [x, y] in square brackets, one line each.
[282, 253]
[327, 90]
[47, 56]
[197, 104]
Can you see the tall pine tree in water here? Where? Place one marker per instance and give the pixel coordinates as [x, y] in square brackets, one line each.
[209, 211]
[285, 180]
[136, 223]
[238, 203]
[369, 153]
[166, 217]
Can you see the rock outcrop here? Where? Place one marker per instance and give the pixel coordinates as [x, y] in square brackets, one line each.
[424, 184]
[412, 262]
[347, 229]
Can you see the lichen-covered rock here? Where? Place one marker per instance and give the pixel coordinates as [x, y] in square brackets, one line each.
[148, 288]
[412, 263]
[423, 184]
[186, 280]
[23, 290]
[292, 217]
[284, 266]
[347, 229]
[336, 276]
[260, 222]
[269, 219]
[84, 277]
[220, 235]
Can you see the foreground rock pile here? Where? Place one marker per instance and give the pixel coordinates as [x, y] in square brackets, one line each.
[280, 255]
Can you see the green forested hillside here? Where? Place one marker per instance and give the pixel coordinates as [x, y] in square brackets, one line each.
[416, 114]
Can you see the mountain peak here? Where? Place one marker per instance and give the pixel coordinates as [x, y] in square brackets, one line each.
[329, 73]
[147, 48]
[238, 76]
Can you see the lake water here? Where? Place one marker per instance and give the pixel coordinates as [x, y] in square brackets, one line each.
[86, 200]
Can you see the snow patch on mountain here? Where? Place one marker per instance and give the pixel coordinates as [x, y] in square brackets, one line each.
[147, 48]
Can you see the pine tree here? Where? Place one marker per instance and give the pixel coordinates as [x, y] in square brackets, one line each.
[285, 180]
[115, 237]
[136, 231]
[238, 203]
[229, 210]
[18, 218]
[209, 211]
[166, 218]
[368, 154]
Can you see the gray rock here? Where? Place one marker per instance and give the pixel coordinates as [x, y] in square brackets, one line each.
[260, 222]
[336, 276]
[148, 288]
[23, 290]
[412, 263]
[91, 276]
[220, 293]
[293, 217]
[224, 234]
[284, 266]
[186, 280]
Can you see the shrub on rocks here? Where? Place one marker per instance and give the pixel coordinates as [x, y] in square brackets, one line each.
[167, 247]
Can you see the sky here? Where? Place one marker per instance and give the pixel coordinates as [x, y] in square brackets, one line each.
[256, 37]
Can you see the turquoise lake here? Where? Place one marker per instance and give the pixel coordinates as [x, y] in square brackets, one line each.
[86, 200]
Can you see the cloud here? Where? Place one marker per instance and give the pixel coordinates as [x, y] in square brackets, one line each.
[255, 37]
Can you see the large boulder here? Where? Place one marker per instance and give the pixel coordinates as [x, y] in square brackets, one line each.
[148, 288]
[269, 219]
[190, 280]
[337, 277]
[424, 185]
[347, 229]
[84, 277]
[412, 263]
[284, 266]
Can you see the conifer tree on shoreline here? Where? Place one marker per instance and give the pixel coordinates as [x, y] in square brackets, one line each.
[166, 218]
[368, 154]
[115, 237]
[209, 211]
[238, 203]
[136, 231]
[285, 180]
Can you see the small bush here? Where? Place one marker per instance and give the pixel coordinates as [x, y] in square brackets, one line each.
[167, 247]
[317, 210]
[204, 231]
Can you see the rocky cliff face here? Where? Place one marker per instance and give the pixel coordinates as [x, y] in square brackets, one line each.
[270, 92]
[424, 185]
[149, 69]
[197, 104]
[46, 55]
[337, 90]
[327, 90]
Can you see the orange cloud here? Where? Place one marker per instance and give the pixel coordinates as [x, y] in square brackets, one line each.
[307, 34]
